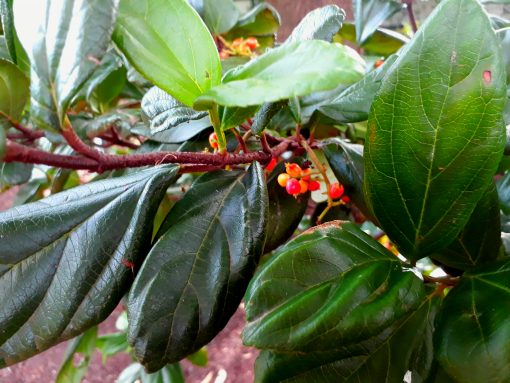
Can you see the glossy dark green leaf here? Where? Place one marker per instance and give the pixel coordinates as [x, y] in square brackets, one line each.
[16, 52]
[370, 14]
[479, 241]
[353, 104]
[220, 15]
[473, 334]
[261, 21]
[287, 71]
[170, 121]
[266, 112]
[382, 42]
[320, 24]
[80, 349]
[386, 358]
[14, 90]
[195, 275]
[15, 173]
[346, 161]
[435, 135]
[328, 288]
[63, 259]
[167, 42]
[285, 211]
[64, 41]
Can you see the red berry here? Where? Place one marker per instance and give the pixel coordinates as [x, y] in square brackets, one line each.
[304, 186]
[213, 140]
[282, 179]
[305, 175]
[346, 199]
[378, 63]
[314, 185]
[293, 170]
[270, 166]
[293, 186]
[252, 43]
[336, 190]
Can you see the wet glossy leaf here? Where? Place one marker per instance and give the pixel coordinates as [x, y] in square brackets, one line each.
[475, 318]
[195, 275]
[65, 261]
[261, 21]
[220, 15]
[370, 14]
[346, 161]
[80, 349]
[287, 71]
[320, 24]
[435, 134]
[170, 121]
[233, 116]
[285, 211]
[167, 42]
[64, 40]
[15, 173]
[353, 104]
[328, 289]
[266, 112]
[479, 241]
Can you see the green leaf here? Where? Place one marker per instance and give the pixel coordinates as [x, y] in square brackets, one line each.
[14, 90]
[261, 21]
[81, 348]
[2, 143]
[16, 52]
[327, 289]
[220, 15]
[346, 161]
[170, 121]
[382, 42]
[168, 43]
[435, 135]
[195, 275]
[370, 14]
[199, 358]
[64, 40]
[474, 328]
[234, 116]
[503, 187]
[171, 373]
[479, 241]
[320, 24]
[353, 104]
[63, 259]
[15, 173]
[263, 117]
[112, 344]
[284, 72]
[285, 211]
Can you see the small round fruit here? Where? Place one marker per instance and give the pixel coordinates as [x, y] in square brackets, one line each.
[213, 140]
[304, 186]
[346, 199]
[293, 186]
[305, 175]
[336, 190]
[282, 179]
[314, 185]
[252, 43]
[378, 63]
[293, 170]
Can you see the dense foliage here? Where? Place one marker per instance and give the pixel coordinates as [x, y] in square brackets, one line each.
[173, 154]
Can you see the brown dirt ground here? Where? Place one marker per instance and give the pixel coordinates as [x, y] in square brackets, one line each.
[227, 355]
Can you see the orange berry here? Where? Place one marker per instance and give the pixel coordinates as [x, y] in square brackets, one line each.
[293, 170]
[213, 140]
[293, 186]
[252, 43]
[378, 63]
[314, 185]
[282, 179]
[336, 190]
[271, 165]
[304, 186]
[305, 175]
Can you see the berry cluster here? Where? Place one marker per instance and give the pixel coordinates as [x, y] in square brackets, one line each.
[239, 47]
[297, 181]
[213, 141]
